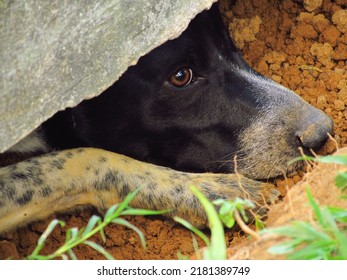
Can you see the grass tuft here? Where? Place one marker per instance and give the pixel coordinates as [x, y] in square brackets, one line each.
[75, 236]
[326, 237]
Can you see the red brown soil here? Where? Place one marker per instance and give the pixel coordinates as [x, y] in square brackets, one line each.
[294, 207]
[300, 44]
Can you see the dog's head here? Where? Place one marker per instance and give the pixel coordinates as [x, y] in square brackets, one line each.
[193, 104]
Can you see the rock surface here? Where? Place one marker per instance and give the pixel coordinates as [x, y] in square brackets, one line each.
[56, 53]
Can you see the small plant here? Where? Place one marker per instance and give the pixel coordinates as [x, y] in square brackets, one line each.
[216, 248]
[230, 212]
[229, 208]
[326, 239]
[75, 236]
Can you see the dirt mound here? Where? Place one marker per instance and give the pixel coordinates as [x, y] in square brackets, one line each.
[295, 207]
[300, 44]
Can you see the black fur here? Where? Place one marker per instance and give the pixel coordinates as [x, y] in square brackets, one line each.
[193, 128]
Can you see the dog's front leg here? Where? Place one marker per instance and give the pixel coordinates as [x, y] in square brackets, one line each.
[34, 189]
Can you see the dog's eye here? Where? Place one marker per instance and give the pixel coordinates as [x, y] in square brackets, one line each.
[182, 77]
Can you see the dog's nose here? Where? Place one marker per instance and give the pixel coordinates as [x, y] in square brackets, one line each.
[313, 132]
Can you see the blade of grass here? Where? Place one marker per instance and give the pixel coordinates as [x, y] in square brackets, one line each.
[339, 214]
[302, 158]
[44, 236]
[193, 229]
[317, 250]
[123, 222]
[143, 212]
[315, 207]
[99, 249]
[217, 249]
[124, 204]
[285, 247]
[102, 231]
[339, 159]
[71, 254]
[341, 181]
[91, 224]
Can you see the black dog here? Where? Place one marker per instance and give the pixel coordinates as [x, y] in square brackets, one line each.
[193, 105]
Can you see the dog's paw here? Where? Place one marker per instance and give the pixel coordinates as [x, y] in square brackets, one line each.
[258, 192]
[230, 187]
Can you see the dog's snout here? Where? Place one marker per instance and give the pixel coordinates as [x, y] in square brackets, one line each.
[313, 132]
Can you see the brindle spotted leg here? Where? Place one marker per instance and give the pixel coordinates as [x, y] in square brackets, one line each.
[35, 188]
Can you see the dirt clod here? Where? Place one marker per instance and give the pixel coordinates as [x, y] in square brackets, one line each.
[340, 20]
[244, 30]
[311, 5]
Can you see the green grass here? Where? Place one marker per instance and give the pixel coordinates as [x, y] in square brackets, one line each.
[75, 236]
[326, 237]
[216, 247]
[230, 213]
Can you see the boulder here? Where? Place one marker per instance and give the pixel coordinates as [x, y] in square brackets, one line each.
[56, 53]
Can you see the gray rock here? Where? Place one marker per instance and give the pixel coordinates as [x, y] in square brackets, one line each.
[55, 53]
